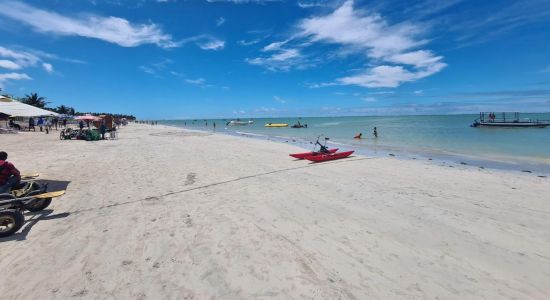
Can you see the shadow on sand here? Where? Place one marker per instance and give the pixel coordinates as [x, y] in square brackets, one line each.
[32, 218]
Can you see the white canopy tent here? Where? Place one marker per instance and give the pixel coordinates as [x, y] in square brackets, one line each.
[15, 108]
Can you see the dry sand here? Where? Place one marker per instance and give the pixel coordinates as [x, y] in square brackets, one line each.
[164, 213]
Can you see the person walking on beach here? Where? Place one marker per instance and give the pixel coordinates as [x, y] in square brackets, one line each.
[31, 124]
[64, 123]
[40, 123]
[55, 121]
[9, 175]
[375, 132]
[47, 125]
[214, 125]
[103, 129]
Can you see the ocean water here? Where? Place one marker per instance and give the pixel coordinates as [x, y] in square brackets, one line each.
[438, 136]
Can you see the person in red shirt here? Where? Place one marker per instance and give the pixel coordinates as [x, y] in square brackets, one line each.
[9, 175]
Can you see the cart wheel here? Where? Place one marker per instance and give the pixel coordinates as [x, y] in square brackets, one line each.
[61, 135]
[11, 220]
[38, 204]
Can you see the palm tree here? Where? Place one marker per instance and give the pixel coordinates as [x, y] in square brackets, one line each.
[62, 109]
[34, 100]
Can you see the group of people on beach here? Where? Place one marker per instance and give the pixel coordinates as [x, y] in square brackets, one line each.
[45, 124]
[360, 135]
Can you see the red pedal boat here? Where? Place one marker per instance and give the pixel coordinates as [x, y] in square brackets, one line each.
[327, 157]
[312, 153]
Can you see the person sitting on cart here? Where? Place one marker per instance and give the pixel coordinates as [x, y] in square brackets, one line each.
[9, 175]
[15, 125]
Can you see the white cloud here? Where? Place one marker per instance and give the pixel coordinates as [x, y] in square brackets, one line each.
[359, 28]
[279, 99]
[8, 64]
[110, 29]
[211, 45]
[274, 46]
[20, 59]
[309, 4]
[198, 81]
[385, 76]
[220, 21]
[205, 42]
[247, 43]
[418, 92]
[391, 47]
[13, 76]
[244, 1]
[202, 83]
[282, 60]
[48, 67]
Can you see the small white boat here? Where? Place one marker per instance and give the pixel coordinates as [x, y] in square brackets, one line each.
[239, 122]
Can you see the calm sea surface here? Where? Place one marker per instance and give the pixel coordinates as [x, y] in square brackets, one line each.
[425, 136]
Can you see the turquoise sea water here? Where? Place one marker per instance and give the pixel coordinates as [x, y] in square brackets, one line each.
[425, 136]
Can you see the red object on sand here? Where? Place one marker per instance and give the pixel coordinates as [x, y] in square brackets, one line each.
[306, 154]
[327, 157]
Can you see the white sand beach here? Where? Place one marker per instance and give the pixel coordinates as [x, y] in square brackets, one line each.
[164, 213]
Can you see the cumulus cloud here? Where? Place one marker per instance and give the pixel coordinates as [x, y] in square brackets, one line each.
[389, 46]
[48, 67]
[391, 51]
[110, 29]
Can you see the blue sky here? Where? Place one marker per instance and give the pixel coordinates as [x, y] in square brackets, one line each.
[238, 58]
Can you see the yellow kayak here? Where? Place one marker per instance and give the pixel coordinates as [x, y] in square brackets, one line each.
[276, 125]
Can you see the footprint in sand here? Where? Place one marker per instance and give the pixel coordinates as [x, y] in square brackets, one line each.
[188, 221]
[191, 178]
[126, 262]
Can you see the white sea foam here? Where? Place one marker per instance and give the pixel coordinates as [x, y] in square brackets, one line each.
[251, 134]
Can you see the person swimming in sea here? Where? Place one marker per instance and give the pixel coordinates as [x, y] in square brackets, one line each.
[358, 136]
[375, 132]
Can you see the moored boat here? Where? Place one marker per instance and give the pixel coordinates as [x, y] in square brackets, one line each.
[239, 122]
[312, 153]
[331, 156]
[500, 120]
